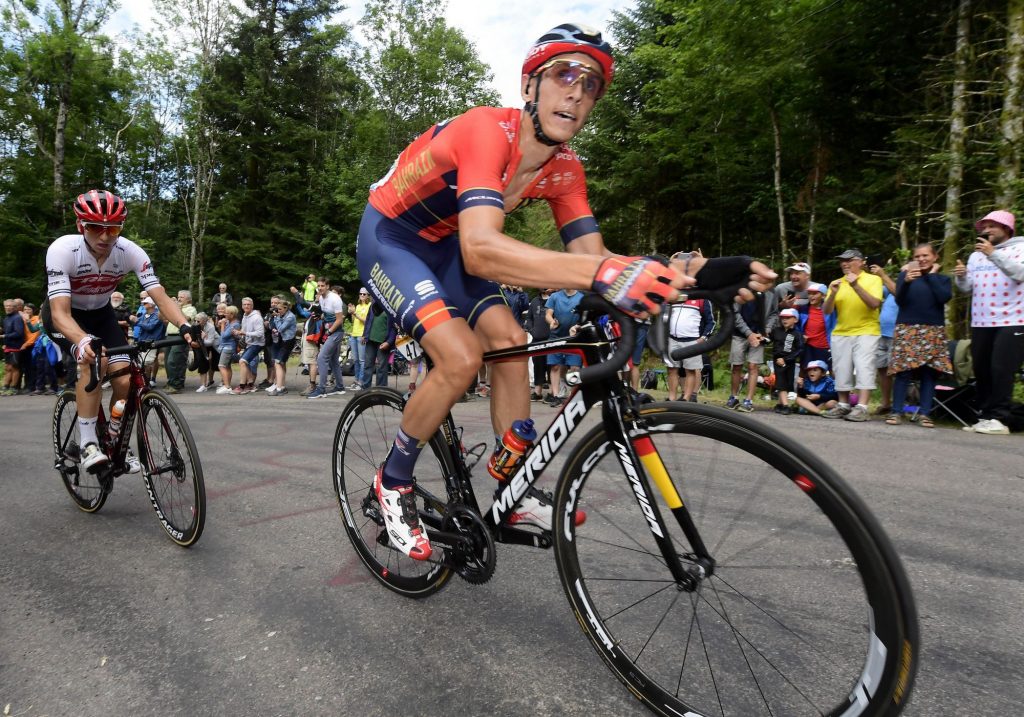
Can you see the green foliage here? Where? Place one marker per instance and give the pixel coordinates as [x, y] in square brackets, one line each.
[287, 121]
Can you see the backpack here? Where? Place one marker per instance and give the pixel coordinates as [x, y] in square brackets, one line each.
[315, 331]
[648, 379]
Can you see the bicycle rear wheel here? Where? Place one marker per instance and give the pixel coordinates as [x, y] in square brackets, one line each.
[365, 433]
[83, 487]
[171, 469]
[807, 610]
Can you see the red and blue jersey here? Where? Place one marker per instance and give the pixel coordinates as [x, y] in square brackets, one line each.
[469, 161]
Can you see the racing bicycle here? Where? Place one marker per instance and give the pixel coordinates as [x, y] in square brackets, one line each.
[722, 569]
[170, 465]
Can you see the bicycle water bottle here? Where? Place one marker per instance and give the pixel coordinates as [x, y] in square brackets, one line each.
[114, 424]
[514, 445]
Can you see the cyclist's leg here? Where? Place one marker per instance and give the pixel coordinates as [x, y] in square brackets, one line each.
[510, 398]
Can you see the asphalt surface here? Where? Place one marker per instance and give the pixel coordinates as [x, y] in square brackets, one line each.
[272, 614]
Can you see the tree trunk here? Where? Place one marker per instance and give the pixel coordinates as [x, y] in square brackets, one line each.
[1011, 122]
[777, 134]
[814, 201]
[957, 138]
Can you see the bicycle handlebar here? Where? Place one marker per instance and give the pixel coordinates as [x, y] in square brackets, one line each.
[657, 337]
[97, 349]
[623, 349]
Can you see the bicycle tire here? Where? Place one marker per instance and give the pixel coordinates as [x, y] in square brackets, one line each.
[366, 430]
[83, 487]
[778, 628]
[171, 468]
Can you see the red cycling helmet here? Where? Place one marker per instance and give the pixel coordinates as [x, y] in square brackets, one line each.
[568, 38]
[98, 206]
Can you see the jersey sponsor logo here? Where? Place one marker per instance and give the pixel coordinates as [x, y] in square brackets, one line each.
[509, 128]
[55, 272]
[411, 173]
[425, 288]
[386, 290]
[95, 284]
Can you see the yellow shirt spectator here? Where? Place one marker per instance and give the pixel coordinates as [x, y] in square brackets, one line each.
[359, 318]
[853, 316]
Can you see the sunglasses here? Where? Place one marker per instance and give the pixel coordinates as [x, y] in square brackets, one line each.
[567, 73]
[103, 229]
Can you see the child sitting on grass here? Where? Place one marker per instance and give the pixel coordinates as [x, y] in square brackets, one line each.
[818, 391]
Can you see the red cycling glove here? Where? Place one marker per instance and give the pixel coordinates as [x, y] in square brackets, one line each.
[634, 284]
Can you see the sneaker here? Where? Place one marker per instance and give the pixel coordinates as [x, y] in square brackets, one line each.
[209, 384]
[239, 389]
[202, 388]
[836, 412]
[251, 389]
[316, 393]
[733, 402]
[280, 391]
[265, 383]
[222, 389]
[398, 507]
[93, 457]
[746, 407]
[782, 410]
[992, 427]
[105, 385]
[172, 389]
[536, 397]
[882, 411]
[692, 398]
[355, 386]
[335, 391]
[538, 513]
[305, 370]
[308, 390]
[271, 389]
[858, 413]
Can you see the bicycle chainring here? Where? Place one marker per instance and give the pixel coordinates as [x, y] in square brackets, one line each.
[476, 567]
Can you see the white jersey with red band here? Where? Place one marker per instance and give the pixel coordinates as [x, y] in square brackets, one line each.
[72, 270]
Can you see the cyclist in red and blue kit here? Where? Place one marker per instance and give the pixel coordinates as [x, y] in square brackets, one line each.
[432, 251]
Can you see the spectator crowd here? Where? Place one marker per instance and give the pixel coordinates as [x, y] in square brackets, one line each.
[833, 350]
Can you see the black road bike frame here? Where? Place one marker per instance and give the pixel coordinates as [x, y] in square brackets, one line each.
[598, 382]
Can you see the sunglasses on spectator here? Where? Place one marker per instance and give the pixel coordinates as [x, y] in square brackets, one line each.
[104, 228]
[567, 73]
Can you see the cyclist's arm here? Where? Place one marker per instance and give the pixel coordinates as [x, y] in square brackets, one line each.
[491, 254]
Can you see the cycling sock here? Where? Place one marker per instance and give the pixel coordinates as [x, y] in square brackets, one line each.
[87, 430]
[401, 459]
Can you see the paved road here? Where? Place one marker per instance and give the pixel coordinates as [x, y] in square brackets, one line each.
[270, 614]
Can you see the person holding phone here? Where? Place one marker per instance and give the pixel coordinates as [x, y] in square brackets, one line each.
[994, 276]
[855, 298]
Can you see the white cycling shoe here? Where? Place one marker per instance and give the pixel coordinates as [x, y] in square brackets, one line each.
[538, 512]
[92, 457]
[131, 463]
[398, 507]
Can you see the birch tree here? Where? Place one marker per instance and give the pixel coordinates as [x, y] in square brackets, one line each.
[957, 136]
[1011, 120]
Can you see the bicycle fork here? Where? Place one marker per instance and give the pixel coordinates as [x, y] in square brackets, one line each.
[639, 459]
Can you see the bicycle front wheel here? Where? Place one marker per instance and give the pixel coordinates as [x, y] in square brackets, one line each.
[83, 487]
[171, 469]
[806, 610]
[366, 430]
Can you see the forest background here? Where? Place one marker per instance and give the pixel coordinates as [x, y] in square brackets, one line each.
[245, 135]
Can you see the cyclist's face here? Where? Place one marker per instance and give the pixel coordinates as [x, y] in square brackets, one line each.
[101, 239]
[569, 87]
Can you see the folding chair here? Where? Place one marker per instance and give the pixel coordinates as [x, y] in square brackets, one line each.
[955, 394]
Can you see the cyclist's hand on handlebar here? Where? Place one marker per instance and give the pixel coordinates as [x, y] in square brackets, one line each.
[638, 285]
[82, 352]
